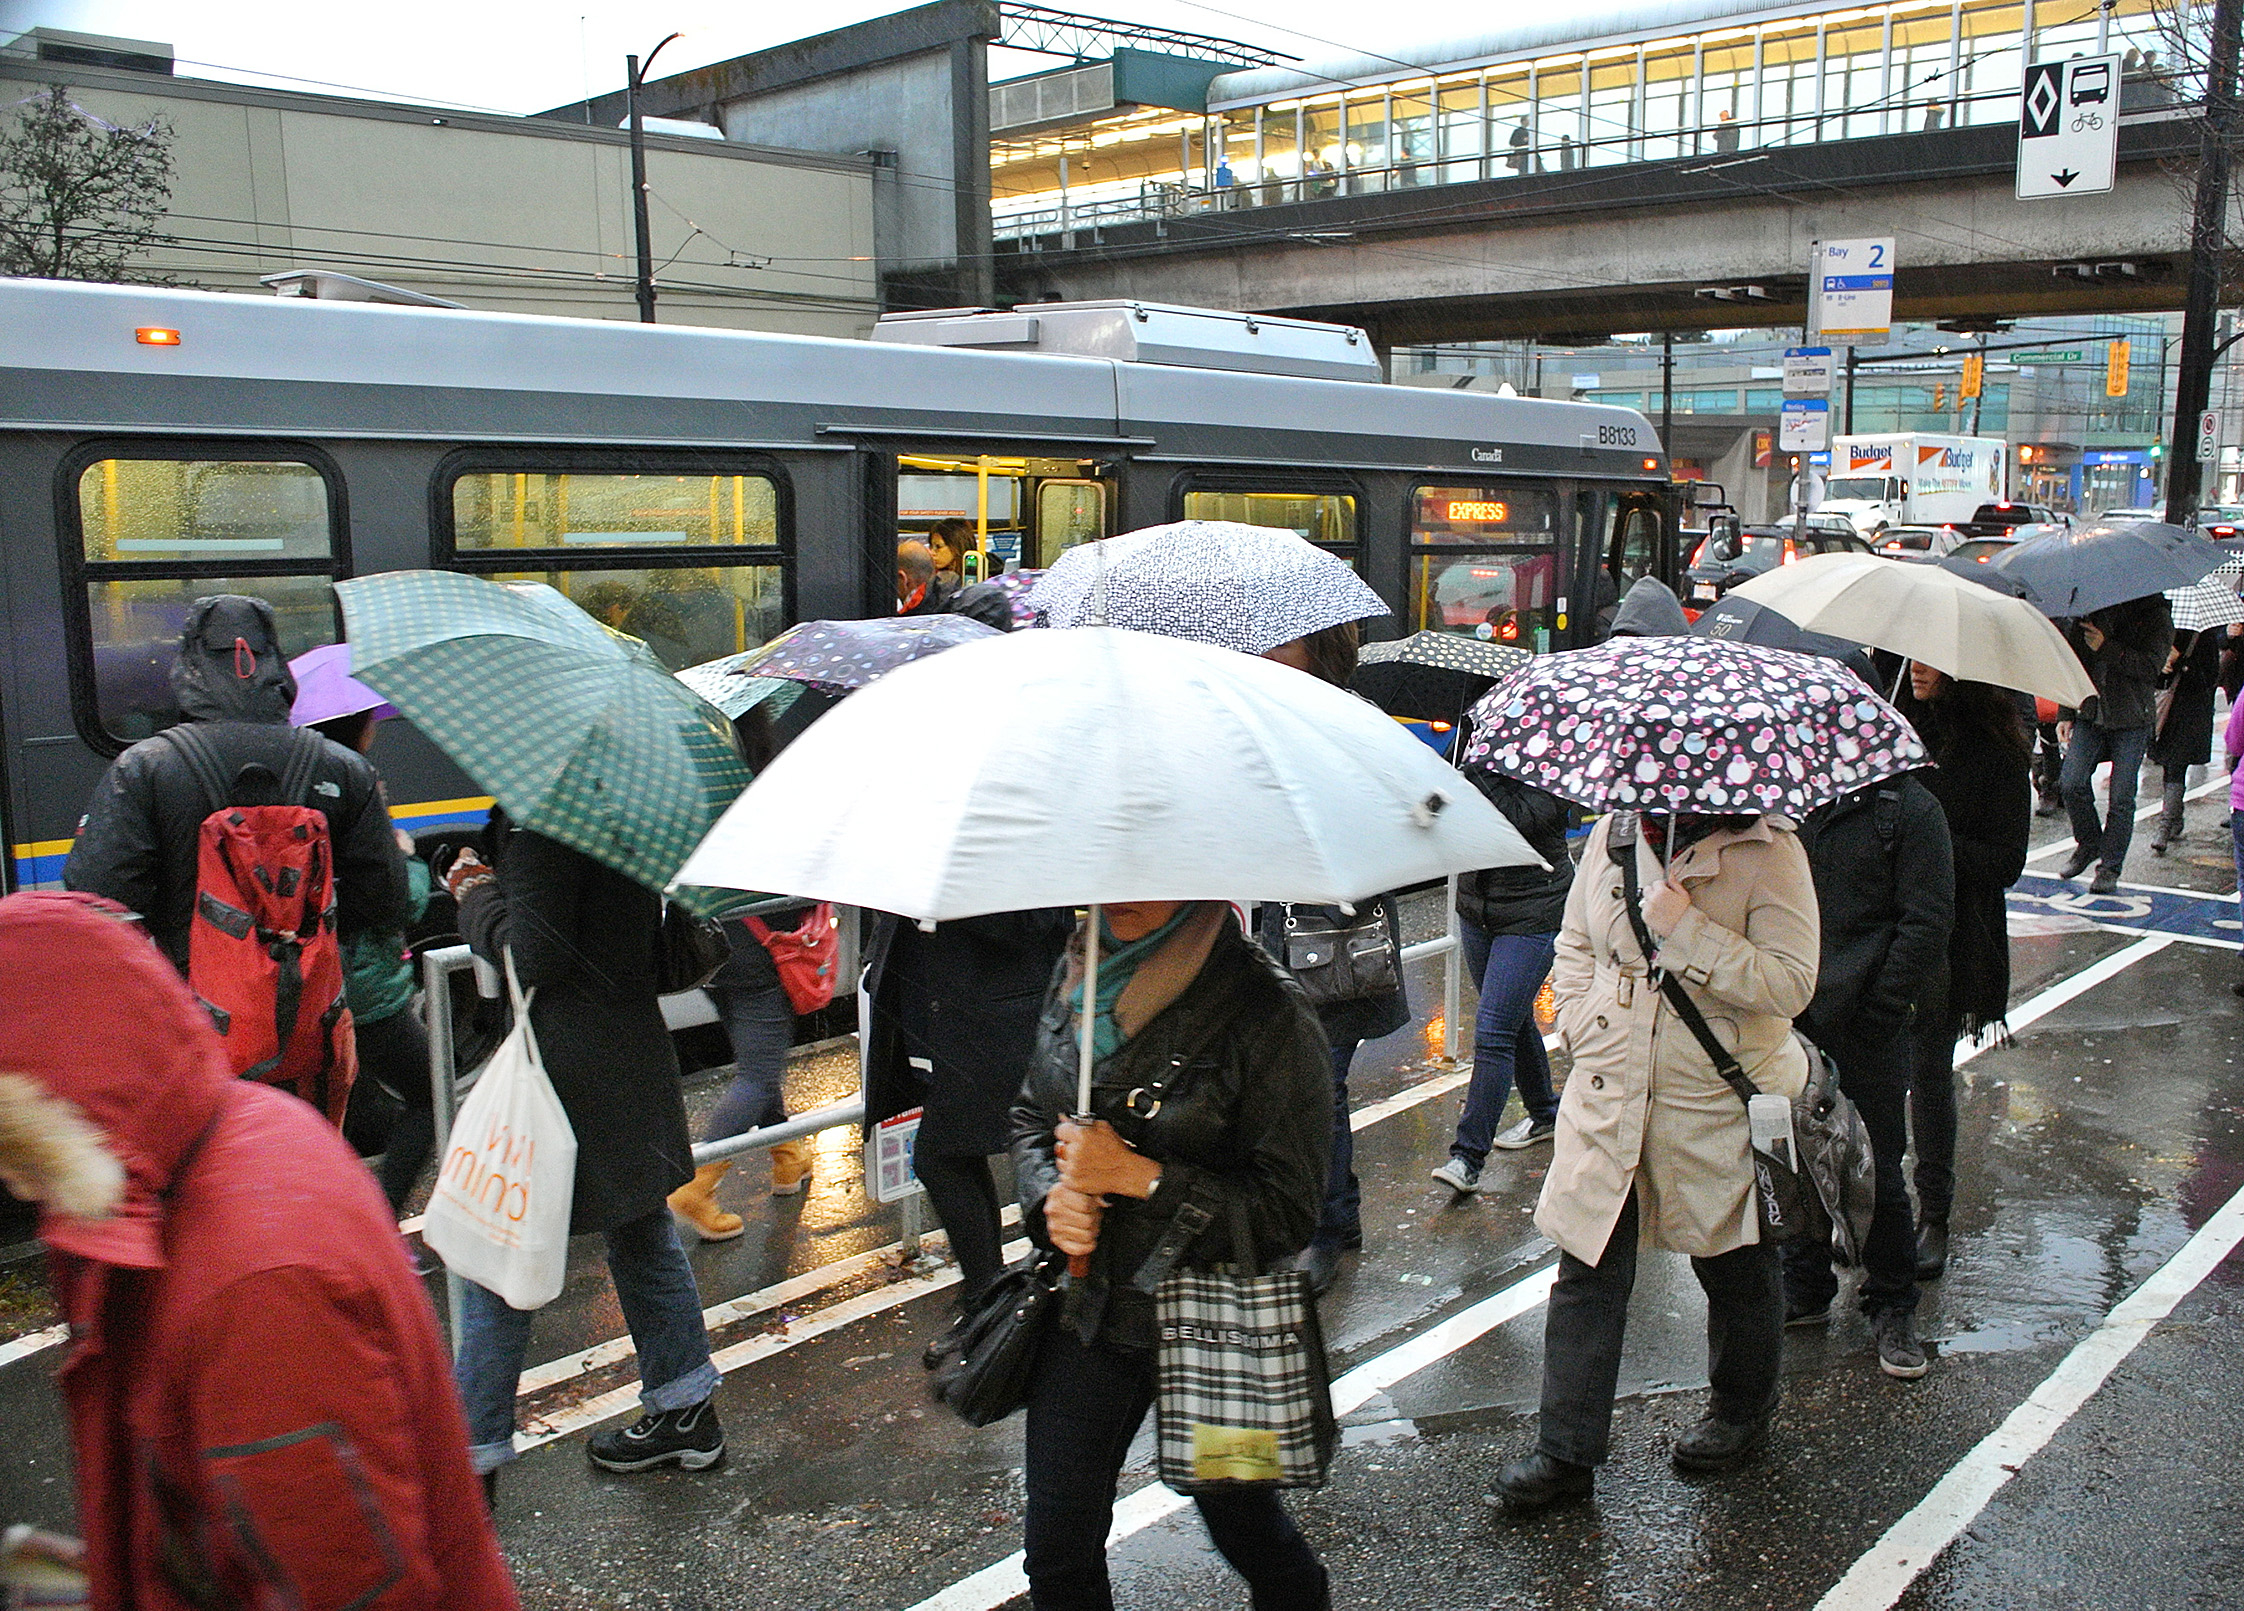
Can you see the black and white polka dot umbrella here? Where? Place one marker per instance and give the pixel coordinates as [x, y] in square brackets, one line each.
[1241, 587]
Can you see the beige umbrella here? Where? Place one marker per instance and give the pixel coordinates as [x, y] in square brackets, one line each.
[1971, 632]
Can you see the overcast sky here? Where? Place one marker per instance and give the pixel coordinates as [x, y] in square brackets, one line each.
[526, 55]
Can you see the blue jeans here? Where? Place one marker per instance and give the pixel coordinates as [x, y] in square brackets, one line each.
[2090, 748]
[1507, 1041]
[1342, 1219]
[661, 1305]
[1084, 1407]
[762, 1026]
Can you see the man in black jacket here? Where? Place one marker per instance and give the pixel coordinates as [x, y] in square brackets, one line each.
[2124, 649]
[138, 842]
[1885, 888]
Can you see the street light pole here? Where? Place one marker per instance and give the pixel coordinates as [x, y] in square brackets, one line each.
[634, 77]
[2193, 378]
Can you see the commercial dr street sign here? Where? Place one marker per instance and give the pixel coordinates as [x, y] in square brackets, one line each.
[2068, 127]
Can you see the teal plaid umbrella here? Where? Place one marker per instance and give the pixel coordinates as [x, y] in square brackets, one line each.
[576, 729]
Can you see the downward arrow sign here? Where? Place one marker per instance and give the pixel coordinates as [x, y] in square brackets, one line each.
[2065, 178]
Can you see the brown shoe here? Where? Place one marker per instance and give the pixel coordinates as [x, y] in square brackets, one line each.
[790, 1166]
[696, 1203]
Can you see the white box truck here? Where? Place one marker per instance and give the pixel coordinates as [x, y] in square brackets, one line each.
[1911, 479]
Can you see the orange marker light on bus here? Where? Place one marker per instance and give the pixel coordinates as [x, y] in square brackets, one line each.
[155, 335]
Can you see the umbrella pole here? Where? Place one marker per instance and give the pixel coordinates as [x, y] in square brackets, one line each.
[1079, 1264]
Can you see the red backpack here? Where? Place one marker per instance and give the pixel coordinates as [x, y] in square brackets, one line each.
[261, 952]
[805, 957]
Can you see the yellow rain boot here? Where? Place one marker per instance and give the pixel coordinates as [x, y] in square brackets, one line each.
[790, 1166]
[696, 1203]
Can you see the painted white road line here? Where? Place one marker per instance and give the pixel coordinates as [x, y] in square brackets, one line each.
[2035, 1008]
[993, 1585]
[1913, 1543]
[2142, 814]
[32, 1343]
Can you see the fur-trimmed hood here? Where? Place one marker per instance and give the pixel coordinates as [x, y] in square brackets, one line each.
[93, 1016]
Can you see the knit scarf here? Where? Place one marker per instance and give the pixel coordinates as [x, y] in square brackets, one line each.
[1118, 965]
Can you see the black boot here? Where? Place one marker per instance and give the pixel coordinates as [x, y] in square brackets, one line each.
[1932, 1249]
[491, 1490]
[1541, 1480]
[1715, 1444]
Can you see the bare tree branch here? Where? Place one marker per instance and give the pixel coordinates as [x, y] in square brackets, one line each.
[80, 198]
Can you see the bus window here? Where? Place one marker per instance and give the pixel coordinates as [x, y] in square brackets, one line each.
[1322, 517]
[1068, 513]
[1484, 562]
[156, 534]
[634, 550]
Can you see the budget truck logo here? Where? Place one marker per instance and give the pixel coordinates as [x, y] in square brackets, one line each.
[1945, 458]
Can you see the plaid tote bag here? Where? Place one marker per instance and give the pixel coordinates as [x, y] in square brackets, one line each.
[1243, 1400]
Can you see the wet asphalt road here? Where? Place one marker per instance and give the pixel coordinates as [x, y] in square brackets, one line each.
[2092, 1149]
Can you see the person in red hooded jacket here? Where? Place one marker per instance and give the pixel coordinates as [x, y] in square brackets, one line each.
[260, 1406]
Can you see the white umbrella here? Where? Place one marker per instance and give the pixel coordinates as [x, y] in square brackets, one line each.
[1971, 632]
[2211, 603]
[1249, 588]
[1100, 765]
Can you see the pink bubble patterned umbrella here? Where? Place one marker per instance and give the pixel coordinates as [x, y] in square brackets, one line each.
[1690, 724]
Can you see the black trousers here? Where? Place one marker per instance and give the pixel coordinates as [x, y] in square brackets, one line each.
[1932, 1106]
[1874, 1070]
[964, 1197]
[1588, 1319]
[395, 1052]
[1084, 1407]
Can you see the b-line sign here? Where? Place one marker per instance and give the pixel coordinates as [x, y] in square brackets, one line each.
[1852, 283]
[2068, 127]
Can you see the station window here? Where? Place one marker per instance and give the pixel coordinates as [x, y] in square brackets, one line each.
[692, 563]
[156, 534]
[1484, 562]
[1325, 518]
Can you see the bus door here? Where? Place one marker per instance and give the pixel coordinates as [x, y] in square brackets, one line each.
[989, 512]
[1626, 534]
[1486, 562]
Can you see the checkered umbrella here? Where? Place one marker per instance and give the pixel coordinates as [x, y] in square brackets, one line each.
[577, 730]
[1241, 587]
[1433, 674]
[2211, 603]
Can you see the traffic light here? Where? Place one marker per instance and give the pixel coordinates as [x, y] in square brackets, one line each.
[2157, 451]
[1939, 395]
[2115, 369]
[1975, 369]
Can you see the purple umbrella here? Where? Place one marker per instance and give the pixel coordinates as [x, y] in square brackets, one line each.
[325, 688]
[842, 655]
[1690, 724]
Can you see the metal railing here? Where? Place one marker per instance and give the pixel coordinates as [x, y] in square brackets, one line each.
[448, 1083]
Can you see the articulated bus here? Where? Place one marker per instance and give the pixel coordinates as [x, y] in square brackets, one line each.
[703, 489]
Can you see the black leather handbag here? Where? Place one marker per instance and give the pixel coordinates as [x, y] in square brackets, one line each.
[982, 1375]
[1342, 958]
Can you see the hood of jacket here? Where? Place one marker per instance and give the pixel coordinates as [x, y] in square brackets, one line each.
[150, 1082]
[1651, 610]
[230, 666]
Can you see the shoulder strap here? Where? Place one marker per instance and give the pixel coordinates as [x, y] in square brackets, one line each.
[1886, 813]
[306, 749]
[1678, 998]
[202, 759]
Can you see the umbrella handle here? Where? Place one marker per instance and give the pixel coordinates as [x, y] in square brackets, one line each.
[1079, 1264]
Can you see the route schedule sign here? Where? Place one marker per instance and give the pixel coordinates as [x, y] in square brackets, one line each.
[1852, 292]
[2068, 127]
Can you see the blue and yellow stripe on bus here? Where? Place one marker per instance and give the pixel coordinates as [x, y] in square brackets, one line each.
[38, 862]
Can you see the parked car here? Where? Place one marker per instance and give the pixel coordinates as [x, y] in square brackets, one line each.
[1718, 565]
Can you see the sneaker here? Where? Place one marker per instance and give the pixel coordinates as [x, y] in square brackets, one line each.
[1459, 1176]
[1526, 1133]
[2077, 863]
[1807, 1312]
[689, 1437]
[1899, 1352]
[2106, 881]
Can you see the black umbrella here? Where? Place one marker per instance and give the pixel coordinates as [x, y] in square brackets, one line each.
[2075, 573]
[1744, 621]
[1433, 674]
[1984, 573]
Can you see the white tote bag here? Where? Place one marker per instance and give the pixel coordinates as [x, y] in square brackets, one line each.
[500, 1213]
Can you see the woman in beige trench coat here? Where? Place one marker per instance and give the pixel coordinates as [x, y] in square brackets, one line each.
[1652, 1145]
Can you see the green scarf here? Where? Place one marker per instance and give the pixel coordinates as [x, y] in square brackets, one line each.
[1118, 965]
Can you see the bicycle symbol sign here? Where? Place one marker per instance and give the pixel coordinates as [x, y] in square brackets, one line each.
[2068, 127]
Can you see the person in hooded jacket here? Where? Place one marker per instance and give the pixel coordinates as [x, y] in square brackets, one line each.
[1885, 892]
[1210, 1096]
[2185, 738]
[1508, 919]
[587, 939]
[2124, 648]
[259, 1403]
[1653, 1145]
[1980, 754]
[138, 843]
[1650, 609]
